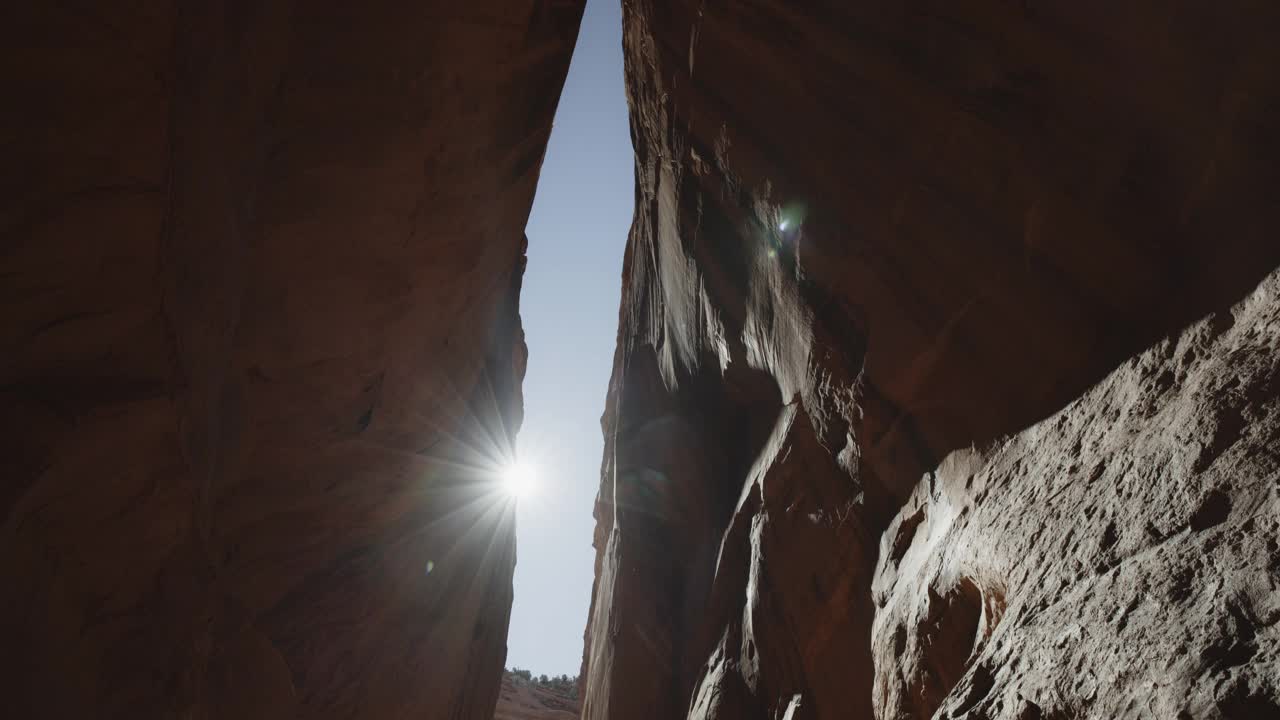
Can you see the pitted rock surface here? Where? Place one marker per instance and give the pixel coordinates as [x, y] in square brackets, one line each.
[1118, 559]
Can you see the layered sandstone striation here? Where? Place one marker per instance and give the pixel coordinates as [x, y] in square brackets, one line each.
[260, 352]
[870, 234]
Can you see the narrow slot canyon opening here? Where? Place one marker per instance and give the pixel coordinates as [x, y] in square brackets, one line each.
[937, 346]
[576, 232]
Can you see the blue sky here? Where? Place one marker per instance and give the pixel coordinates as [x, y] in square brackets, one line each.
[569, 306]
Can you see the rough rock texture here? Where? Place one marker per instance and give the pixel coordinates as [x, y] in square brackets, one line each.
[1119, 559]
[868, 234]
[524, 701]
[260, 350]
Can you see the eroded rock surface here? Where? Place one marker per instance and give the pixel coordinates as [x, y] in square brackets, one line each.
[1118, 559]
[259, 350]
[867, 235]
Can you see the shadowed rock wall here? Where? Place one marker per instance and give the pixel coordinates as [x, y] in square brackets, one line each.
[260, 351]
[869, 234]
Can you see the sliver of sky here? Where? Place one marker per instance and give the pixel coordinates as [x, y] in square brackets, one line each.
[569, 306]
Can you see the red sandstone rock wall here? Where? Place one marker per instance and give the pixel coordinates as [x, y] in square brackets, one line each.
[260, 345]
[870, 234]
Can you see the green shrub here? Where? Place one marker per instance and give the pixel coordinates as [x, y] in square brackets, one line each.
[560, 683]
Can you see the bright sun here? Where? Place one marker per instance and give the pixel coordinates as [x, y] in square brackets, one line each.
[518, 479]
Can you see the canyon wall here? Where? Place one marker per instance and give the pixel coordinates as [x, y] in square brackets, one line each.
[262, 351]
[871, 235]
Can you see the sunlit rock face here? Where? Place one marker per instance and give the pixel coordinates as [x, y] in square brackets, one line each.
[1120, 558]
[261, 352]
[870, 234]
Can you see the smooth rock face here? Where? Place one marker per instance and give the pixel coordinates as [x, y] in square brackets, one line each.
[260, 352]
[867, 235]
[1118, 559]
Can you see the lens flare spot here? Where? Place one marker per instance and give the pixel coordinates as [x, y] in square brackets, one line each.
[784, 225]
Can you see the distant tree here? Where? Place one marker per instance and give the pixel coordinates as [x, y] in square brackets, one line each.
[564, 683]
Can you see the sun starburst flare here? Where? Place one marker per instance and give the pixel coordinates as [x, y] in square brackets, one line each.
[519, 479]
